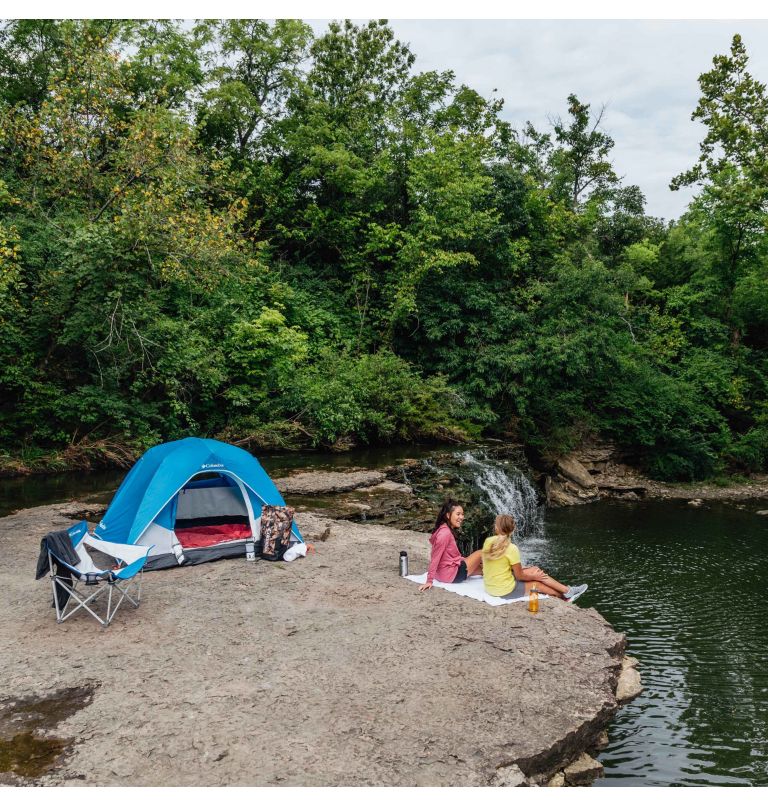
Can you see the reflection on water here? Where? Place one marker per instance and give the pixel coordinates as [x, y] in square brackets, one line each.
[687, 586]
[100, 485]
[33, 491]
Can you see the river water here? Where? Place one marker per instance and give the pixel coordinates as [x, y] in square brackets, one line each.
[687, 586]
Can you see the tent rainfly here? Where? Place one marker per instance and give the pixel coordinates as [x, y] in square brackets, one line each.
[193, 500]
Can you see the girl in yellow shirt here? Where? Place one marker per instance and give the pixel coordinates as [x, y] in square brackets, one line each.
[503, 572]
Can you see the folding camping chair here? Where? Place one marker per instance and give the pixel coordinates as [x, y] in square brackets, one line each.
[119, 580]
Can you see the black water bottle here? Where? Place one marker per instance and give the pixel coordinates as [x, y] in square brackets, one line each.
[403, 563]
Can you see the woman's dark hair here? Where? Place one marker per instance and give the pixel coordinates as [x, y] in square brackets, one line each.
[445, 513]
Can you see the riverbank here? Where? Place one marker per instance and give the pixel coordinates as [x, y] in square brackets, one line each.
[599, 472]
[593, 473]
[86, 455]
[327, 671]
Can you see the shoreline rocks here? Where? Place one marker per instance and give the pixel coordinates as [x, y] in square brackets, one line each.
[598, 472]
[583, 771]
[357, 496]
[629, 685]
[570, 484]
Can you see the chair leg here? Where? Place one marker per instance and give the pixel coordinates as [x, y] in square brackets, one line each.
[82, 603]
[109, 605]
[123, 595]
[55, 598]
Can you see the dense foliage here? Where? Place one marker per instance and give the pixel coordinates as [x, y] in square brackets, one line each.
[236, 228]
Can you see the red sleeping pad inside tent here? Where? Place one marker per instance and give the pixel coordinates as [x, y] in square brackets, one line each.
[197, 537]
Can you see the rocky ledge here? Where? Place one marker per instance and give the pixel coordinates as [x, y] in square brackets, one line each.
[318, 482]
[360, 495]
[602, 471]
[330, 670]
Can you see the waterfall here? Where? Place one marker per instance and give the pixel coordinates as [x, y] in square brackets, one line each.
[506, 490]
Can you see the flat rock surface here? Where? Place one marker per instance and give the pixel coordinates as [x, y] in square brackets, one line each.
[330, 670]
[756, 487]
[318, 482]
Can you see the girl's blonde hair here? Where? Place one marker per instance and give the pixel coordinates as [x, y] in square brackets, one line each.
[503, 527]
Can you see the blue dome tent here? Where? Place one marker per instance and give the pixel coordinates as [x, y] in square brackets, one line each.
[193, 500]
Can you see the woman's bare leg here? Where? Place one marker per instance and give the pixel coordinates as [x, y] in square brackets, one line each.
[552, 583]
[474, 562]
[544, 587]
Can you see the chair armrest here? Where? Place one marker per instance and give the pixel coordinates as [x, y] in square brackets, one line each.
[131, 570]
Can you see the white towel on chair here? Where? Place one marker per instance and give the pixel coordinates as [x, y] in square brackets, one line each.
[472, 587]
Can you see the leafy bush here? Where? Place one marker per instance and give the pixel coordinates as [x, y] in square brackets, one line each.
[665, 419]
[750, 451]
[374, 398]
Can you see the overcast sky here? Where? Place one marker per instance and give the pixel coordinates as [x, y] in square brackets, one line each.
[645, 72]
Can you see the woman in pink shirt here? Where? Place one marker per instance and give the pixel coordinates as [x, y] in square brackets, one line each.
[446, 563]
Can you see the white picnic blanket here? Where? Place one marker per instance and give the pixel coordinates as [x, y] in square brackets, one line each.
[472, 587]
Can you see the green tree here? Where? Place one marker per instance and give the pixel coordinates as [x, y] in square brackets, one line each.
[243, 230]
[732, 171]
[579, 163]
[253, 68]
[165, 66]
[29, 51]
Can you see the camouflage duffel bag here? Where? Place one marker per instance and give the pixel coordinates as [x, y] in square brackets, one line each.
[276, 523]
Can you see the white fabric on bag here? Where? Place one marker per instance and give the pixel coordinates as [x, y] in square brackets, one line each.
[473, 588]
[296, 550]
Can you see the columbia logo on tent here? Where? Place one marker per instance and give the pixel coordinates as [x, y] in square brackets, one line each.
[206, 466]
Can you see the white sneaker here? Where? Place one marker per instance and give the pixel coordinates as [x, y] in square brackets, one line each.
[577, 591]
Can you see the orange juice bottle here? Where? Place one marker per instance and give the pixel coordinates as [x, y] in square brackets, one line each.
[533, 600]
